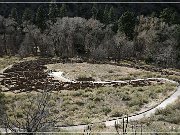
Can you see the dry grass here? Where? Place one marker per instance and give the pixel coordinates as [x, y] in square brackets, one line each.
[100, 71]
[90, 105]
[155, 127]
[6, 61]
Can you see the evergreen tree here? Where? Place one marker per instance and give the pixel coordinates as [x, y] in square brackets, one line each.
[111, 15]
[175, 18]
[94, 11]
[63, 11]
[169, 16]
[127, 23]
[154, 14]
[105, 15]
[27, 15]
[53, 12]
[100, 14]
[14, 14]
[41, 18]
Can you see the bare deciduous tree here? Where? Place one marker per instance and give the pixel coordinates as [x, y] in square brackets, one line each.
[37, 113]
[9, 35]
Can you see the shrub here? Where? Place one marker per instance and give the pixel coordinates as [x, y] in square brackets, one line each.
[138, 100]
[99, 53]
[140, 89]
[73, 108]
[97, 99]
[84, 78]
[159, 89]
[106, 110]
[173, 117]
[86, 121]
[19, 114]
[79, 102]
[52, 102]
[169, 114]
[68, 122]
[110, 71]
[78, 93]
[118, 112]
[135, 108]
[100, 125]
[174, 77]
[91, 105]
[87, 94]
[126, 96]
[88, 90]
[152, 95]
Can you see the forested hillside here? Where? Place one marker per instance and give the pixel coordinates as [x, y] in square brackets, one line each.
[83, 9]
[98, 31]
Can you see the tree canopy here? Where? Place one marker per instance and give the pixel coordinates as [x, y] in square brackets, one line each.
[27, 16]
[41, 18]
[169, 16]
[63, 11]
[53, 12]
[127, 24]
[14, 14]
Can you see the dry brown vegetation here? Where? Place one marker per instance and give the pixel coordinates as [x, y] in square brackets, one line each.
[91, 105]
[103, 72]
[71, 37]
[6, 61]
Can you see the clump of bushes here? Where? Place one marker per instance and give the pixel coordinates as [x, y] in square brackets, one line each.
[79, 102]
[84, 78]
[110, 71]
[126, 96]
[138, 100]
[119, 112]
[86, 121]
[106, 110]
[78, 93]
[100, 125]
[91, 105]
[170, 114]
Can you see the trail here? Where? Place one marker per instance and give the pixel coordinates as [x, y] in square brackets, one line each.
[138, 116]
[59, 76]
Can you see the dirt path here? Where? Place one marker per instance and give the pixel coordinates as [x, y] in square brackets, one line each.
[147, 113]
[137, 116]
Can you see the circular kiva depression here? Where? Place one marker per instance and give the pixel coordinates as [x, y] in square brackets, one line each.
[83, 101]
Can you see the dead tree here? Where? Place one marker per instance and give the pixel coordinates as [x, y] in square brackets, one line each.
[37, 114]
